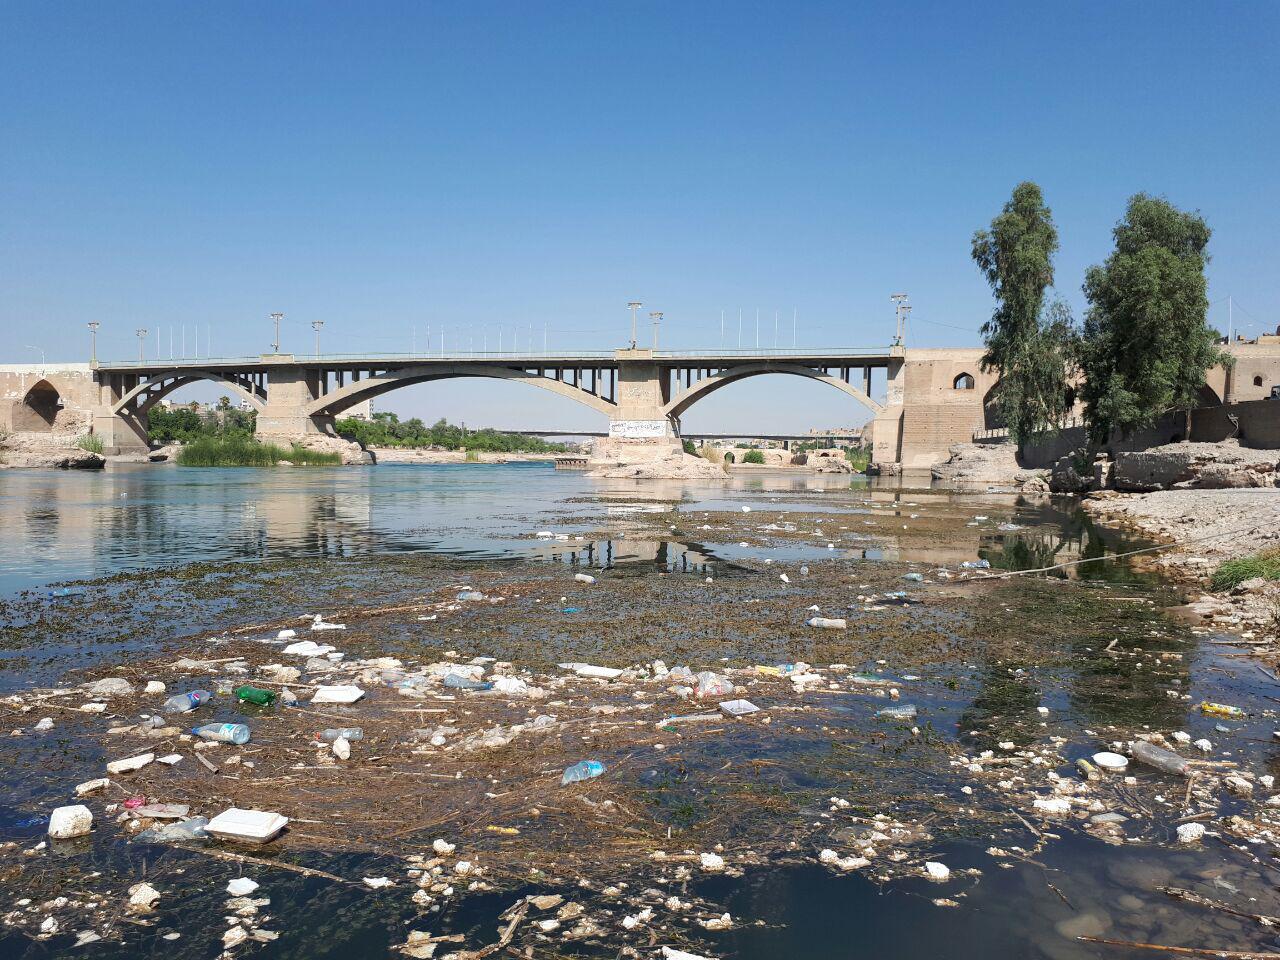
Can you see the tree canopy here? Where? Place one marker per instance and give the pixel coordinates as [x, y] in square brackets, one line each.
[388, 430]
[1146, 345]
[1027, 343]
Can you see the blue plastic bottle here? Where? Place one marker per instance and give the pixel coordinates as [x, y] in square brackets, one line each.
[582, 770]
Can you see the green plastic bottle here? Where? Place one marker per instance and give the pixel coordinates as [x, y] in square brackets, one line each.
[263, 698]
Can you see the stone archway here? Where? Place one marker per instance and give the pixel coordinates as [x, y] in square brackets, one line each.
[38, 410]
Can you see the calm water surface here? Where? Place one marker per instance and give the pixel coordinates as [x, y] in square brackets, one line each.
[65, 526]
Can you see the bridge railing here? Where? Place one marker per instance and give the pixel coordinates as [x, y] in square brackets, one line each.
[201, 363]
[547, 358]
[751, 352]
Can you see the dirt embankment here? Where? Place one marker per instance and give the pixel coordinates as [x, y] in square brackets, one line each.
[1209, 528]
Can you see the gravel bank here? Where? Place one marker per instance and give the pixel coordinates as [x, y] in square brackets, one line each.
[1212, 526]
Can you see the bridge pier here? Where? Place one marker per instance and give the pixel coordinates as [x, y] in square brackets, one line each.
[120, 432]
[638, 427]
[292, 389]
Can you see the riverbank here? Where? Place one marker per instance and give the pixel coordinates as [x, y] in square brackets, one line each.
[423, 455]
[1210, 527]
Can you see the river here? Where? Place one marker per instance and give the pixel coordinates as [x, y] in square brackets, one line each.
[718, 576]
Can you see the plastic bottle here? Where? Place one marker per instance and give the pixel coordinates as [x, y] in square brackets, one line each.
[263, 698]
[333, 733]
[236, 733]
[65, 592]
[192, 829]
[1220, 709]
[582, 770]
[828, 623]
[186, 702]
[1164, 760]
[455, 682]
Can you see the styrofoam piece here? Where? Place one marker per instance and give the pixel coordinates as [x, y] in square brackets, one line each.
[68, 822]
[249, 826]
[130, 764]
[341, 693]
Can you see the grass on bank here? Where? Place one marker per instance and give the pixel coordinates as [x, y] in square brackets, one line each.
[1265, 564]
[90, 442]
[239, 451]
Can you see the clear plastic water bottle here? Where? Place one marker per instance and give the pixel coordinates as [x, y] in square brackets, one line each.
[582, 770]
[236, 733]
[186, 702]
[455, 682]
[333, 733]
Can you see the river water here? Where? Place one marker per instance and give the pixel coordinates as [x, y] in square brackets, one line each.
[134, 531]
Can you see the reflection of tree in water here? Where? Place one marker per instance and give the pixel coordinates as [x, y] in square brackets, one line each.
[1068, 536]
[1004, 708]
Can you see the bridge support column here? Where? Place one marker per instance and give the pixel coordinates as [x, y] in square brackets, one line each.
[886, 446]
[638, 429]
[120, 432]
[284, 419]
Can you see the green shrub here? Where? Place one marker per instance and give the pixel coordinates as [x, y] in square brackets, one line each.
[473, 456]
[313, 458]
[388, 430]
[239, 451]
[689, 448]
[90, 442]
[859, 458]
[753, 456]
[1265, 564]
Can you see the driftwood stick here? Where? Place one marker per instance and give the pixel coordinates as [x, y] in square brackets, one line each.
[1186, 951]
[1187, 896]
[262, 862]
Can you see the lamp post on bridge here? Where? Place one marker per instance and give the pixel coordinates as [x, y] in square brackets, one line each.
[902, 309]
[275, 346]
[141, 334]
[634, 305]
[316, 325]
[656, 317]
[93, 340]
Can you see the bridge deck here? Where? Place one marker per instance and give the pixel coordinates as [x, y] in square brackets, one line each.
[854, 356]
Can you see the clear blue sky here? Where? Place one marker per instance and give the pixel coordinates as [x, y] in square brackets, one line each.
[384, 166]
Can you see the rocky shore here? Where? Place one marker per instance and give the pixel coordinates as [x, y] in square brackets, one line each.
[47, 451]
[1210, 527]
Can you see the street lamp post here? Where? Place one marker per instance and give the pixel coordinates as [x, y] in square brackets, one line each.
[634, 305]
[39, 350]
[656, 317]
[141, 334]
[316, 325]
[93, 341]
[275, 346]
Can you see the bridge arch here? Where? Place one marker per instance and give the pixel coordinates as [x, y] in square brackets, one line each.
[150, 392]
[333, 403]
[38, 409]
[686, 398]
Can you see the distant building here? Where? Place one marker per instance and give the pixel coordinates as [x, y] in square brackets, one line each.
[361, 411]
